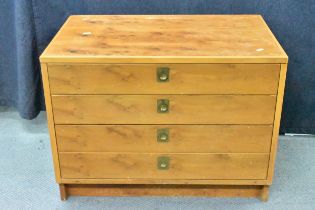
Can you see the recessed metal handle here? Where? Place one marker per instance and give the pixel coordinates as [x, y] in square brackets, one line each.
[162, 135]
[163, 105]
[163, 163]
[163, 74]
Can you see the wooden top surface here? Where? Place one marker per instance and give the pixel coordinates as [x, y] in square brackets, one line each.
[165, 39]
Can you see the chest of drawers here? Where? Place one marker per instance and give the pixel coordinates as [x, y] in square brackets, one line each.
[164, 105]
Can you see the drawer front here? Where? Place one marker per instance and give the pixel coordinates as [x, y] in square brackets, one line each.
[163, 109]
[163, 166]
[178, 79]
[164, 138]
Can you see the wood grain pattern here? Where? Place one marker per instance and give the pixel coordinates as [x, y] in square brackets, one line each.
[184, 79]
[226, 87]
[182, 166]
[165, 39]
[182, 138]
[50, 120]
[184, 109]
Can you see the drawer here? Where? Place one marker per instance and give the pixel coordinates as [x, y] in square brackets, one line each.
[164, 138]
[163, 166]
[178, 79]
[177, 109]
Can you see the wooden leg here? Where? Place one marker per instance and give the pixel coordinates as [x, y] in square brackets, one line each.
[264, 193]
[63, 192]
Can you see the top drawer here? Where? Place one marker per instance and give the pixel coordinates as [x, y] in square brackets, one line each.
[164, 79]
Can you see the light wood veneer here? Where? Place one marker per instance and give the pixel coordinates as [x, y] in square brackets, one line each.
[181, 138]
[183, 109]
[183, 79]
[224, 89]
[181, 166]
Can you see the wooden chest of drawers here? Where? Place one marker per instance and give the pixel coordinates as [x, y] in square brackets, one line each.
[164, 105]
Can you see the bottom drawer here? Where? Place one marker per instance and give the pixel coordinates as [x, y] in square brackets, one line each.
[163, 166]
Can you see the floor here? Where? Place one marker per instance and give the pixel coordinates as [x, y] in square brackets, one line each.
[27, 178]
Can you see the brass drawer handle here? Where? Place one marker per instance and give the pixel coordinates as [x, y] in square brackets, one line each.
[163, 163]
[163, 135]
[163, 74]
[163, 105]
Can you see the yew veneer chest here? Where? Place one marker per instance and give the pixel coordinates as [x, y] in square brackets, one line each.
[164, 105]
